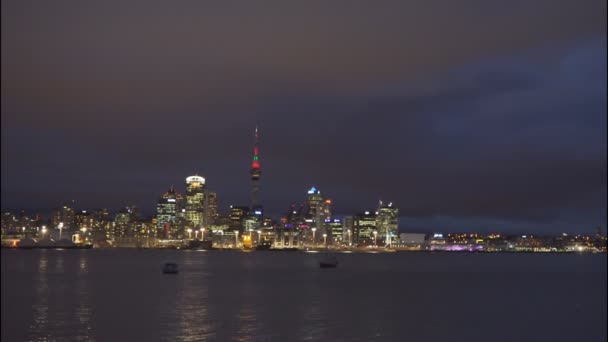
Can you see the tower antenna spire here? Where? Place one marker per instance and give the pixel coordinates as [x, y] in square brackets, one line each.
[255, 171]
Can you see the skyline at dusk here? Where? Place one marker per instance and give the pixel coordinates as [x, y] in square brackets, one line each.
[491, 119]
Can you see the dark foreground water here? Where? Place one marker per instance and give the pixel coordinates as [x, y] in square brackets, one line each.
[121, 295]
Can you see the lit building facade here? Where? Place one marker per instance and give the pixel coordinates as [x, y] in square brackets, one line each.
[167, 209]
[195, 201]
[364, 228]
[237, 215]
[211, 212]
[387, 223]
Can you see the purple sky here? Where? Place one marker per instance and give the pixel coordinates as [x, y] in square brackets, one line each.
[469, 114]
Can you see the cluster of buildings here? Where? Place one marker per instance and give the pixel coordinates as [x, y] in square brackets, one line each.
[193, 215]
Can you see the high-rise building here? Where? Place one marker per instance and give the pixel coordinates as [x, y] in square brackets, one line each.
[195, 200]
[387, 222]
[167, 209]
[84, 221]
[314, 201]
[335, 231]
[123, 222]
[365, 226]
[237, 215]
[255, 171]
[64, 215]
[348, 223]
[295, 216]
[211, 213]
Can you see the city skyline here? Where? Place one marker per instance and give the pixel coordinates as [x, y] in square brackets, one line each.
[500, 129]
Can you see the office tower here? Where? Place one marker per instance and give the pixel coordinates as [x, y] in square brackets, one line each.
[237, 215]
[295, 215]
[64, 215]
[348, 223]
[387, 222]
[335, 230]
[195, 201]
[84, 221]
[123, 221]
[314, 208]
[365, 226]
[167, 209]
[211, 213]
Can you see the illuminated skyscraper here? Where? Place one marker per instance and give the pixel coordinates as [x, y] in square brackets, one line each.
[314, 200]
[195, 200]
[237, 215]
[365, 226]
[387, 222]
[255, 171]
[211, 213]
[169, 205]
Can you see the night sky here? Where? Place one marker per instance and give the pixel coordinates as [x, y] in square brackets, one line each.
[482, 115]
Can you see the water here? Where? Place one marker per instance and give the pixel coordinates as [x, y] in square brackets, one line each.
[121, 295]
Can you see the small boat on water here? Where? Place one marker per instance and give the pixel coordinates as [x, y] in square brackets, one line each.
[328, 262]
[170, 268]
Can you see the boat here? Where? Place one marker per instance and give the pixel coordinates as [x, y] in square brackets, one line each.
[170, 268]
[328, 262]
[264, 246]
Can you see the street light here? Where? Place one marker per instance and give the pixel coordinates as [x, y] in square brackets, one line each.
[259, 236]
[60, 229]
[202, 234]
[325, 239]
[236, 238]
[43, 231]
[375, 238]
[84, 233]
[313, 235]
[350, 241]
[189, 233]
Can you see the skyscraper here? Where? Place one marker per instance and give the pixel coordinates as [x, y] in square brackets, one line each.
[314, 201]
[169, 205]
[211, 213]
[195, 200]
[365, 226]
[237, 215]
[255, 171]
[387, 222]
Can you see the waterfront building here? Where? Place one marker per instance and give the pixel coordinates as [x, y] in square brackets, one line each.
[65, 216]
[195, 201]
[313, 208]
[211, 212]
[364, 229]
[348, 223]
[237, 215]
[84, 221]
[167, 209]
[335, 228]
[387, 222]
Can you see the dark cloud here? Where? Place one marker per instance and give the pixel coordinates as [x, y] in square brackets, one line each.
[470, 113]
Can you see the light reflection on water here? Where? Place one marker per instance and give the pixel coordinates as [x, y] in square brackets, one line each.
[121, 295]
[39, 327]
[84, 313]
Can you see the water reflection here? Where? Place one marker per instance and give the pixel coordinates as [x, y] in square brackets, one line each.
[313, 325]
[83, 312]
[39, 327]
[191, 299]
[246, 318]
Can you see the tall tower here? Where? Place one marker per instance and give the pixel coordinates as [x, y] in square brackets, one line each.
[195, 200]
[255, 171]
